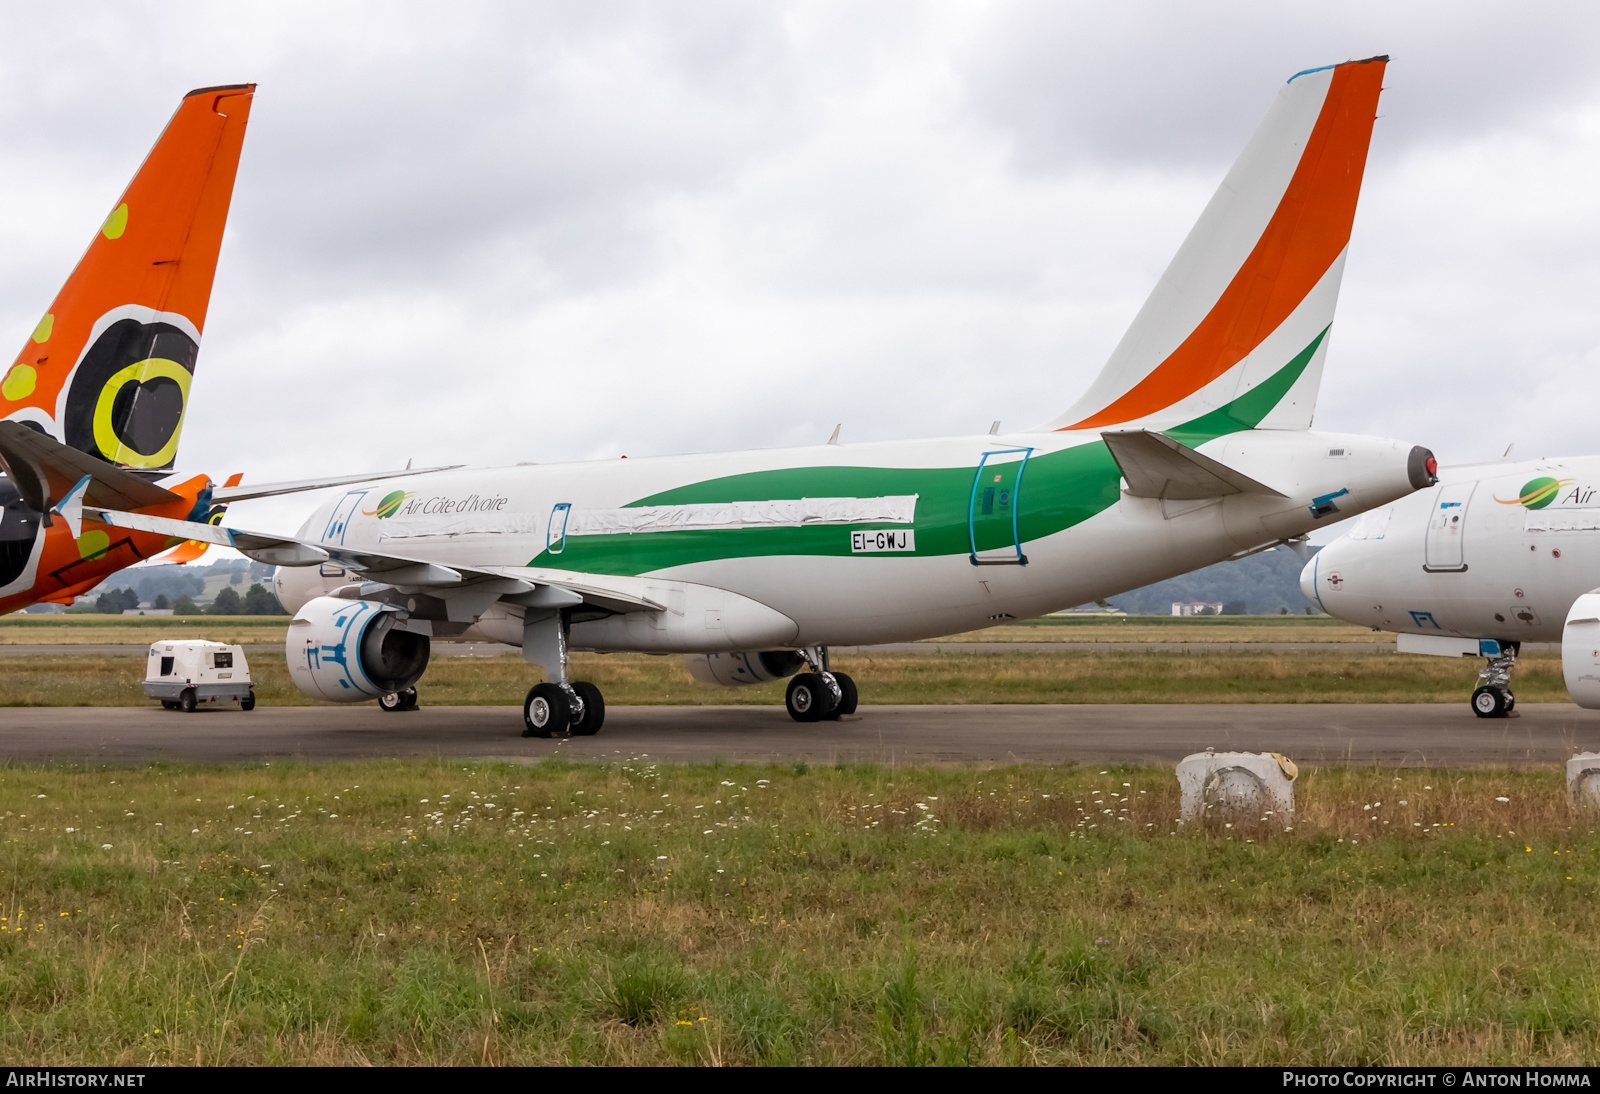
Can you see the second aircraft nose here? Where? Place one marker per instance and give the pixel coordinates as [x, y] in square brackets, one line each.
[1308, 581]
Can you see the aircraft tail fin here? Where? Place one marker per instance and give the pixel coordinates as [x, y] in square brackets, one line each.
[1233, 336]
[107, 370]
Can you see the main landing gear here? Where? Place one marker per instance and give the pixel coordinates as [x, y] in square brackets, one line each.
[819, 695]
[1493, 698]
[555, 710]
[557, 707]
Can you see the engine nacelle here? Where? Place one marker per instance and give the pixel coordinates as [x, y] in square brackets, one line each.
[733, 670]
[349, 651]
[1580, 650]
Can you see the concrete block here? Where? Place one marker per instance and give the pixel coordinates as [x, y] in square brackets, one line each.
[1237, 786]
[1583, 782]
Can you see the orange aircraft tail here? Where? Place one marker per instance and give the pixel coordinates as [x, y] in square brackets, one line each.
[107, 369]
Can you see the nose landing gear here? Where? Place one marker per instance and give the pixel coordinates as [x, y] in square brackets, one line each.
[405, 699]
[1493, 698]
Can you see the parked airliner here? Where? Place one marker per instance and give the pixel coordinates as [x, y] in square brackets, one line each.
[1192, 446]
[1493, 556]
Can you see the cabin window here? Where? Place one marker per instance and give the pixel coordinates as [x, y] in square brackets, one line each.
[222, 660]
[166, 666]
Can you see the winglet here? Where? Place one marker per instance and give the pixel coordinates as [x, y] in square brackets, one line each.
[70, 508]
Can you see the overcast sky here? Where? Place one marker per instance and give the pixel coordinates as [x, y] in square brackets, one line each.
[486, 233]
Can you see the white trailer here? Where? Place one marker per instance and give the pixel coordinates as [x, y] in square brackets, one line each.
[191, 673]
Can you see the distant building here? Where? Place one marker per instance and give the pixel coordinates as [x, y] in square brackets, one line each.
[1197, 607]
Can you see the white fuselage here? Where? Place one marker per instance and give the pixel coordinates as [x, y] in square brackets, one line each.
[1495, 551]
[832, 592]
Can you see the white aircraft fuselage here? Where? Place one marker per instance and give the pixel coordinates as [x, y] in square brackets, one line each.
[1494, 551]
[723, 536]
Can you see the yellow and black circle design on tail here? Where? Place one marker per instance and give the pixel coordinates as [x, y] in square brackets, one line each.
[128, 396]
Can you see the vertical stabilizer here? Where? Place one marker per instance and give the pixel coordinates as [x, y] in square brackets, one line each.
[107, 369]
[1236, 330]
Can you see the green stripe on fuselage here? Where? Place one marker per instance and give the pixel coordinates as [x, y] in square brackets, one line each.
[1058, 490]
[1063, 488]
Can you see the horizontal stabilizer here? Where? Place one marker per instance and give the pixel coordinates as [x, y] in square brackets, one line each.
[226, 495]
[1156, 466]
[43, 469]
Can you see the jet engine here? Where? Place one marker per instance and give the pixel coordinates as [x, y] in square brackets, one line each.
[349, 651]
[1580, 650]
[733, 670]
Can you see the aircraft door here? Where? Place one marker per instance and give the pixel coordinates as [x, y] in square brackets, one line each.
[342, 513]
[992, 510]
[555, 536]
[1447, 525]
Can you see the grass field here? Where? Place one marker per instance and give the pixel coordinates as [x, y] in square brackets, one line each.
[1176, 629]
[427, 913]
[931, 676]
[66, 630]
[21, 629]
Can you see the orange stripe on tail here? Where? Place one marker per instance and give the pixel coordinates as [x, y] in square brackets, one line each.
[1307, 232]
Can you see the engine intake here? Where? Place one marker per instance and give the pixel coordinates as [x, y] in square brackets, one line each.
[732, 670]
[349, 651]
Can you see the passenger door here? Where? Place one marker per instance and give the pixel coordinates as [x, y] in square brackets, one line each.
[342, 513]
[1443, 551]
[992, 510]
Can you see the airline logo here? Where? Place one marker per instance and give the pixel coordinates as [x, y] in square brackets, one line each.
[388, 505]
[1543, 492]
[403, 503]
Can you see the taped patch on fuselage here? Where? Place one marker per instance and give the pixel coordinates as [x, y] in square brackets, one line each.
[129, 392]
[644, 519]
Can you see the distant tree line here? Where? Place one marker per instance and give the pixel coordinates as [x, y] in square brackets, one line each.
[257, 600]
[183, 588]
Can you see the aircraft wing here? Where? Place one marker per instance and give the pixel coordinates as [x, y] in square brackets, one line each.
[518, 584]
[1156, 466]
[224, 495]
[43, 469]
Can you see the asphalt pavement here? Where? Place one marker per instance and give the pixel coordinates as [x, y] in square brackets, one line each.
[1389, 734]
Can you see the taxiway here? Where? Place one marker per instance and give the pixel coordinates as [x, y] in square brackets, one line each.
[1390, 734]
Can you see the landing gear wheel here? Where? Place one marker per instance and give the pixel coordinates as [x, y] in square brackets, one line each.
[248, 702]
[408, 698]
[1511, 702]
[809, 698]
[847, 697]
[546, 712]
[169, 704]
[394, 700]
[186, 701]
[1490, 703]
[594, 710]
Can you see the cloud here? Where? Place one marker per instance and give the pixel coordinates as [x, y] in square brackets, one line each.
[1184, 84]
[504, 232]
